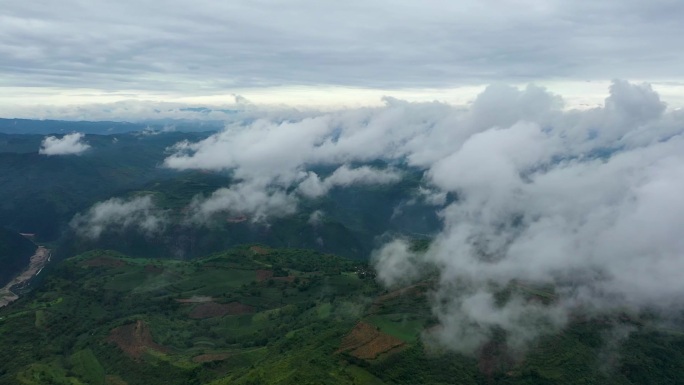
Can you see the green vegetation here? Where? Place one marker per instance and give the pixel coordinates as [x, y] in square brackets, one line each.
[257, 315]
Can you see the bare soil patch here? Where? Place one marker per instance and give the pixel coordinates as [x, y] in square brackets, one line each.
[213, 309]
[134, 339]
[114, 380]
[383, 343]
[152, 269]
[365, 341]
[263, 275]
[211, 357]
[259, 250]
[289, 278]
[195, 299]
[412, 291]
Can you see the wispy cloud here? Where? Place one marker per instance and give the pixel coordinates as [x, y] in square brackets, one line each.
[313, 186]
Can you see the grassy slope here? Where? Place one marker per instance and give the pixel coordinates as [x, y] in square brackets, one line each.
[59, 333]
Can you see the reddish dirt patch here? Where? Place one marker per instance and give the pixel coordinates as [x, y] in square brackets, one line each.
[494, 357]
[289, 279]
[259, 250]
[383, 343]
[195, 299]
[213, 309]
[367, 342]
[263, 275]
[211, 357]
[114, 380]
[103, 262]
[153, 269]
[413, 290]
[134, 339]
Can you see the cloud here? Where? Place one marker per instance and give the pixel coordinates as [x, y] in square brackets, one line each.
[243, 201]
[316, 218]
[118, 214]
[314, 187]
[263, 149]
[569, 201]
[237, 46]
[70, 144]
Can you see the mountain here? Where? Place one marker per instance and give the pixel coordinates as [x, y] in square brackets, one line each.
[34, 126]
[15, 254]
[258, 315]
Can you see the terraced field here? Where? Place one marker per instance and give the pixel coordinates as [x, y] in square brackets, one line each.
[104, 318]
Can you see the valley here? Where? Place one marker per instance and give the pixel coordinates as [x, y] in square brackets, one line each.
[38, 261]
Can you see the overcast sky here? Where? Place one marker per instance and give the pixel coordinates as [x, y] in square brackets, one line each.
[325, 52]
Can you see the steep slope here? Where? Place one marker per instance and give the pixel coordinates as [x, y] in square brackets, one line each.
[15, 254]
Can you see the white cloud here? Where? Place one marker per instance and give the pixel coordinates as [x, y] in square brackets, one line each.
[117, 214]
[314, 187]
[586, 202]
[243, 201]
[70, 144]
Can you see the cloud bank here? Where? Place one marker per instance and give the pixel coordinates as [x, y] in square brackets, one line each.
[70, 144]
[586, 203]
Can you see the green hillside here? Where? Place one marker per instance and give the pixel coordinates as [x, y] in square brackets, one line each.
[15, 254]
[256, 315]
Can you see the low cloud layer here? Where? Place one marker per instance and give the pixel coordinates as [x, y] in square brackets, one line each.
[70, 144]
[242, 202]
[313, 186]
[117, 214]
[584, 203]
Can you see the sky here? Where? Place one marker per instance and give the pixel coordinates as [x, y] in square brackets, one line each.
[330, 54]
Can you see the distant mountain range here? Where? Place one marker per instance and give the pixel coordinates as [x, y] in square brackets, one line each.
[33, 126]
